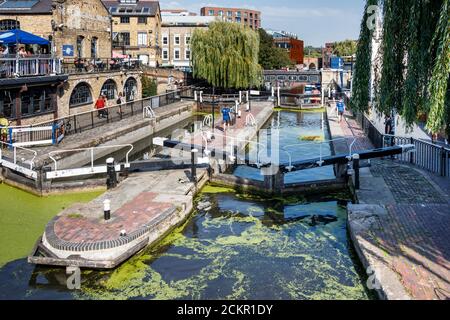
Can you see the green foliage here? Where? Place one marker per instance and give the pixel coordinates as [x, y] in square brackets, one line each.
[361, 82]
[149, 87]
[345, 48]
[439, 80]
[226, 55]
[311, 52]
[271, 57]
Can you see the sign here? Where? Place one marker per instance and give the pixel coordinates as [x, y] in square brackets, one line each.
[68, 50]
[255, 93]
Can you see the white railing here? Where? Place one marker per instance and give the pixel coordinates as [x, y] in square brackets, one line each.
[29, 66]
[149, 113]
[207, 121]
[250, 121]
[92, 169]
[14, 164]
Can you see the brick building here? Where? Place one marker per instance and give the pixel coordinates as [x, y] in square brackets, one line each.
[43, 87]
[250, 18]
[136, 29]
[76, 28]
[289, 42]
[176, 36]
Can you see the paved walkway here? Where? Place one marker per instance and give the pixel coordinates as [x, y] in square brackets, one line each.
[401, 228]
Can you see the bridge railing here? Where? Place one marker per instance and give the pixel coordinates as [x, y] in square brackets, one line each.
[427, 156]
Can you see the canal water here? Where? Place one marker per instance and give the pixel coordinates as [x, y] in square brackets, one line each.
[293, 136]
[237, 247]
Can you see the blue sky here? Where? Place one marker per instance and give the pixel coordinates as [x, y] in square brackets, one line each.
[316, 22]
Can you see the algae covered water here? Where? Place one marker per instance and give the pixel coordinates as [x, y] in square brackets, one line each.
[238, 248]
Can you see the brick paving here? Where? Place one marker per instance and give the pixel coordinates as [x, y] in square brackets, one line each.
[414, 236]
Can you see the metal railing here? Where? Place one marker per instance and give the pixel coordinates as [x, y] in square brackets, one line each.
[29, 66]
[15, 158]
[90, 65]
[80, 122]
[428, 156]
[92, 169]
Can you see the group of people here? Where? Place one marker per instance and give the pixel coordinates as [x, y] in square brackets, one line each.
[22, 52]
[102, 105]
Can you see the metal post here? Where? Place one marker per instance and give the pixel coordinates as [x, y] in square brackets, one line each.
[107, 209]
[213, 111]
[111, 181]
[194, 165]
[356, 170]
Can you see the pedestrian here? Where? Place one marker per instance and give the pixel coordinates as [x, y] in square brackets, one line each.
[4, 123]
[340, 108]
[121, 103]
[100, 105]
[226, 117]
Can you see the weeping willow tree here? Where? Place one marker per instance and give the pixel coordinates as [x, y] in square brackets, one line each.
[438, 86]
[361, 82]
[415, 55]
[226, 56]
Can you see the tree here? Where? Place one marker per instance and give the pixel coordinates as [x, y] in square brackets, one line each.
[226, 56]
[149, 87]
[415, 55]
[271, 57]
[345, 48]
[361, 82]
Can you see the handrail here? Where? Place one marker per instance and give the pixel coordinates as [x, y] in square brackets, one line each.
[250, 120]
[15, 153]
[148, 112]
[127, 163]
[88, 112]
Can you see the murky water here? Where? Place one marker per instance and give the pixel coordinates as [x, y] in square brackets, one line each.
[299, 136]
[242, 248]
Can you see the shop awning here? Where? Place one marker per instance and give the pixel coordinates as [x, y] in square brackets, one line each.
[22, 37]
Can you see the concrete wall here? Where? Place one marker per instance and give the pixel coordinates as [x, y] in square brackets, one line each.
[162, 77]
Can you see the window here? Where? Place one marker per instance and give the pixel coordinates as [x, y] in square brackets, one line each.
[187, 39]
[81, 95]
[211, 12]
[121, 39]
[229, 13]
[80, 40]
[7, 103]
[165, 54]
[142, 39]
[9, 24]
[142, 20]
[94, 49]
[238, 19]
[165, 40]
[187, 54]
[109, 89]
[238, 14]
[130, 89]
[220, 14]
[124, 19]
[177, 40]
[176, 54]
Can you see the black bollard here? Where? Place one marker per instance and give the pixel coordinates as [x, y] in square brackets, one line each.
[356, 169]
[194, 165]
[111, 181]
[107, 209]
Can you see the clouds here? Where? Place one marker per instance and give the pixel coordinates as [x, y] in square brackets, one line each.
[315, 22]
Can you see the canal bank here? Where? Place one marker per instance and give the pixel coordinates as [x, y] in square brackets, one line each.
[400, 225]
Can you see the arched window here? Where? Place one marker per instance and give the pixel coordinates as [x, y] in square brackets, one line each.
[9, 24]
[130, 89]
[312, 66]
[109, 89]
[81, 95]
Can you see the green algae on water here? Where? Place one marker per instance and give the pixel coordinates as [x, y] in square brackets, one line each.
[23, 218]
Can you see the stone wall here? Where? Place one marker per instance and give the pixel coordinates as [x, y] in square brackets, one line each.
[95, 82]
[162, 77]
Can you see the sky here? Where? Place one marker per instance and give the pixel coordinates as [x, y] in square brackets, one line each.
[315, 22]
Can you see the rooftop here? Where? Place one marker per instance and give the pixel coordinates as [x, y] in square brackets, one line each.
[25, 6]
[141, 7]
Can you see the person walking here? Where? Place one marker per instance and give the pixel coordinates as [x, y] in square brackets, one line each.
[340, 108]
[226, 117]
[121, 101]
